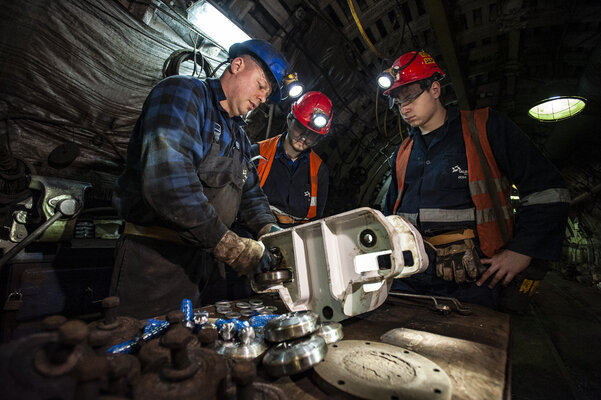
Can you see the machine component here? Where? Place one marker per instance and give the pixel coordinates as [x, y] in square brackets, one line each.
[330, 331]
[64, 208]
[242, 351]
[119, 328]
[289, 358]
[358, 253]
[192, 371]
[441, 308]
[373, 370]
[269, 278]
[42, 365]
[290, 326]
[249, 346]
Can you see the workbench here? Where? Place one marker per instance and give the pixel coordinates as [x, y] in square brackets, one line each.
[472, 349]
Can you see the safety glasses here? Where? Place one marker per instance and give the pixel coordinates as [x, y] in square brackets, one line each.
[407, 94]
[299, 132]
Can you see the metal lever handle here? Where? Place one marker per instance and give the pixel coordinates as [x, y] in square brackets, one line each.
[64, 208]
[459, 308]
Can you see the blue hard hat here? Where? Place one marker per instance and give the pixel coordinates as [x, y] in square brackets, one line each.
[273, 59]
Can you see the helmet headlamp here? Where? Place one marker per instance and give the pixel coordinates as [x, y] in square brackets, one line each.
[387, 77]
[294, 87]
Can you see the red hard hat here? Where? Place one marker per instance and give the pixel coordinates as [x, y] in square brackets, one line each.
[412, 67]
[312, 105]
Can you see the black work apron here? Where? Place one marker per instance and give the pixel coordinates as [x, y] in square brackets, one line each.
[152, 276]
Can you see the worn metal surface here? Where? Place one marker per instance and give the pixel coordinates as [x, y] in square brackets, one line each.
[331, 332]
[373, 370]
[484, 329]
[291, 326]
[289, 358]
[477, 370]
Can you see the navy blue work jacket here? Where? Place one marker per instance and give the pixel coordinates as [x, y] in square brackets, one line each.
[436, 179]
[288, 185]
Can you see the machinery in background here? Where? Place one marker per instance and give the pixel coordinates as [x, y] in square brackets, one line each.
[43, 270]
[343, 265]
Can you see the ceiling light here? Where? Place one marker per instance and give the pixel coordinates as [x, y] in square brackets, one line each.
[557, 108]
[215, 25]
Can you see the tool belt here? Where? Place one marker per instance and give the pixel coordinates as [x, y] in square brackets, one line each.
[153, 232]
[450, 237]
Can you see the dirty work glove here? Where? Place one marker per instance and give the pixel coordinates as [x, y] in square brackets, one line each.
[242, 254]
[269, 228]
[458, 261]
[271, 260]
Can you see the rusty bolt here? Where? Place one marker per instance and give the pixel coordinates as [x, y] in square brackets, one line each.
[53, 322]
[176, 340]
[175, 317]
[244, 372]
[109, 311]
[207, 336]
[73, 332]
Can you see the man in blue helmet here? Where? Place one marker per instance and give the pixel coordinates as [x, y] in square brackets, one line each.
[188, 176]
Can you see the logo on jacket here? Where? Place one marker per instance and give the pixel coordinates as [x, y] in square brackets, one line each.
[462, 172]
[307, 194]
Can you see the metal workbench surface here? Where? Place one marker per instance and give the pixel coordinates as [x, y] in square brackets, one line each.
[471, 349]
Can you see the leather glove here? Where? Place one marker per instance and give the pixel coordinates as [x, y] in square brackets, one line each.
[244, 255]
[458, 261]
[271, 260]
[269, 228]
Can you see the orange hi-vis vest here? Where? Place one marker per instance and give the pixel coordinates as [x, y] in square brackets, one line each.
[493, 224]
[267, 149]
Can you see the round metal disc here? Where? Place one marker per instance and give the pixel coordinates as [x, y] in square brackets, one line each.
[240, 351]
[290, 326]
[272, 277]
[373, 370]
[330, 331]
[291, 358]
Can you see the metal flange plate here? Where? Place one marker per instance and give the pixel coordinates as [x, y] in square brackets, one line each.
[374, 370]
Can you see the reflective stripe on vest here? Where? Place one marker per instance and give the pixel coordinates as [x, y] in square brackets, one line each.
[554, 195]
[267, 149]
[446, 215]
[486, 221]
[487, 224]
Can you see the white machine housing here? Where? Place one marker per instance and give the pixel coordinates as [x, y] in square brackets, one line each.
[338, 263]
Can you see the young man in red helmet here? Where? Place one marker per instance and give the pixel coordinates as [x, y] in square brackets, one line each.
[451, 178]
[291, 174]
[188, 176]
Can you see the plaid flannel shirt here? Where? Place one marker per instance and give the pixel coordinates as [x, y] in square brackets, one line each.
[172, 136]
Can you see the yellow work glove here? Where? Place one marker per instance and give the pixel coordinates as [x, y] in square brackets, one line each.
[242, 254]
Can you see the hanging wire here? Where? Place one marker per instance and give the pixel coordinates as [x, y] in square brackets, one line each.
[362, 31]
